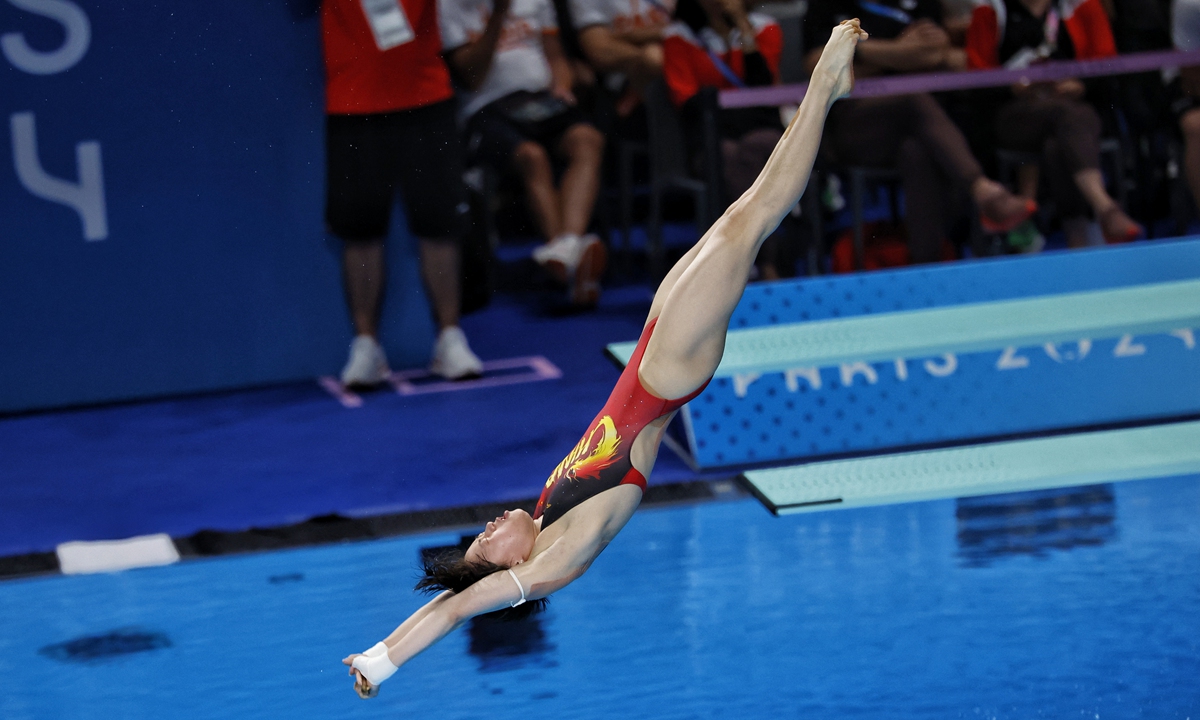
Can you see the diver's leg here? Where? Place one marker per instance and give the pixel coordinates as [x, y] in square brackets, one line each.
[672, 277]
[690, 336]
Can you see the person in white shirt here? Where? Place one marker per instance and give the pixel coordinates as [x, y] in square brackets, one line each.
[519, 113]
[624, 37]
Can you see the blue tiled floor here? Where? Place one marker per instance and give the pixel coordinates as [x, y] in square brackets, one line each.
[281, 455]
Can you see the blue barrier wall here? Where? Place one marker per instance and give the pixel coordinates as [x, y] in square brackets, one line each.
[161, 199]
[868, 406]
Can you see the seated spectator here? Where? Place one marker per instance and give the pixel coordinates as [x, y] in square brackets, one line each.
[623, 38]
[911, 133]
[718, 43]
[1185, 33]
[520, 113]
[1053, 119]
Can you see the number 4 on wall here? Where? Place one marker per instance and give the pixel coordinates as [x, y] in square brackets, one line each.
[86, 196]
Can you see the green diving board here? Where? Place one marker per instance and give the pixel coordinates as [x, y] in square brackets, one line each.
[987, 469]
[974, 327]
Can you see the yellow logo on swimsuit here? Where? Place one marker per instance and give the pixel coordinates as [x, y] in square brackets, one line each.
[576, 466]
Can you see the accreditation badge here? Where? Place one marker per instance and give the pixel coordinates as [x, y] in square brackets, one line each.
[388, 23]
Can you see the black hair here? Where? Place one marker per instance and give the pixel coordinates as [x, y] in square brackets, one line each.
[692, 14]
[448, 569]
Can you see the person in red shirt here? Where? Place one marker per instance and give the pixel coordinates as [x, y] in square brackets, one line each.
[390, 121]
[719, 43]
[1053, 119]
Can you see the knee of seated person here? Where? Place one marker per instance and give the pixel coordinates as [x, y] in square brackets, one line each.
[1189, 124]
[584, 138]
[531, 157]
[1086, 116]
[920, 104]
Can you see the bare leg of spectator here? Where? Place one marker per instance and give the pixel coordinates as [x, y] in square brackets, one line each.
[1073, 208]
[439, 270]
[1000, 209]
[1027, 180]
[1116, 225]
[1189, 124]
[575, 259]
[363, 272]
[871, 131]
[1028, 123]
[925, 203]
[583, 145]
[534, 164]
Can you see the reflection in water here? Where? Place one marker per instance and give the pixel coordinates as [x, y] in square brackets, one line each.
[504, 644]
[507, 645]
[1033, 523]
[93, 648]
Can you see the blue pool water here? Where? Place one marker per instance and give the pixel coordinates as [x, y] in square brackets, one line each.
[1082, 603]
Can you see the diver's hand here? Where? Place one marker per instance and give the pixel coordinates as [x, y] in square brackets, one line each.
[364, 689]
[836, 65]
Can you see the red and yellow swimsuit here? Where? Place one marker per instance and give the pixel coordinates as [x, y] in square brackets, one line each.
[601, 459]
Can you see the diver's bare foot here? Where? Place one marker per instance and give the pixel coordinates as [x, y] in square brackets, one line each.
[837, 59]
[999, 210]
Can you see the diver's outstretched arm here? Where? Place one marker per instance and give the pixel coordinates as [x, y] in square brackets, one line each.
[690, 337]
[564, 561]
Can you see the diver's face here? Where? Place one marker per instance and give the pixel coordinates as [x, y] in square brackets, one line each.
[506, 541]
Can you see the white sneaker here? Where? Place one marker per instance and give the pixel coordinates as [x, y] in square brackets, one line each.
[367, 366]
[452, 356]
[560, 256]
[576, 261]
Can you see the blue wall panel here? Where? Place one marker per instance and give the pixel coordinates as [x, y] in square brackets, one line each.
[854, 408]
[214, 271]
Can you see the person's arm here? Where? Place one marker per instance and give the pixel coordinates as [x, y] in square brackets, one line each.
[473, 60]
[561, 75]
[554, 568]
[782, 181]
[921, 47]
[747, 37]
[641, 35]
[609, 53]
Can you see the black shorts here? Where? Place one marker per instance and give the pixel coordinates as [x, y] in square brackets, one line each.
[367, 156]
[492, 136]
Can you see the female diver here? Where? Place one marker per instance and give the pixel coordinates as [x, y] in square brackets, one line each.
[594, 491]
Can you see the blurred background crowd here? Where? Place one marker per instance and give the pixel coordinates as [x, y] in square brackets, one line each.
[595, 127]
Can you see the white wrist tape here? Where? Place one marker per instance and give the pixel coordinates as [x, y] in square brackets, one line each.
[376, 650]
[375, 669]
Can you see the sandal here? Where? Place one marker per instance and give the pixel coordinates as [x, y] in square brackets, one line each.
[1004, 212]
